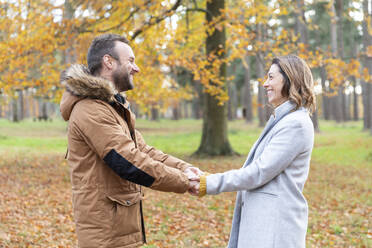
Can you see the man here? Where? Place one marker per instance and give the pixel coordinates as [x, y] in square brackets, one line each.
[109, 159]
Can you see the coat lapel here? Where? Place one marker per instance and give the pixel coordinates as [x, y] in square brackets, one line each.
[279, 113]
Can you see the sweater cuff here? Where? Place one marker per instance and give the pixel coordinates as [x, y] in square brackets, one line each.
[203, 185]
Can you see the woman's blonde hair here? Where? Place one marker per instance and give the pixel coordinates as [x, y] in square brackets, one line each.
[298, 81]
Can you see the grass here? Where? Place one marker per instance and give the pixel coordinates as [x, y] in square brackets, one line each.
[341, 144]
[35, 190]
[30, 136]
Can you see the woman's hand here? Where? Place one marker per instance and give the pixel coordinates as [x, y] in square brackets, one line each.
[194, 187]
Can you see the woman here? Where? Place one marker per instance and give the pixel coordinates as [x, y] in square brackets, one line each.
[270, 209]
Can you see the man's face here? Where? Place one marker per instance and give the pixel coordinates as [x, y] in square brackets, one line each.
[125, 68]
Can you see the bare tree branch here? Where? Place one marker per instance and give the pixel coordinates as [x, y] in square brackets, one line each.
[199, 10]
[84, 29]
[126, 19]
[156, 20]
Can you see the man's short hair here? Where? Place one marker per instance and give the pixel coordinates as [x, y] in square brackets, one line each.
[102, 45]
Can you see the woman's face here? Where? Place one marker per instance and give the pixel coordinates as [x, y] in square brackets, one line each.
[274, 85]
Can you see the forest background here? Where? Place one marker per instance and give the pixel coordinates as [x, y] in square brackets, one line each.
[203, 63]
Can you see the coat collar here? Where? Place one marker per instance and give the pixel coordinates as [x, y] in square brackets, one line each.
[283, 109]
[279, 112]
[80, 84]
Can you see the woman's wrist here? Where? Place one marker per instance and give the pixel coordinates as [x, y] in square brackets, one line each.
[203, 185]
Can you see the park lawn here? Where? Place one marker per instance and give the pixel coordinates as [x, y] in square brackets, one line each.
[35, 193]
[33, 137]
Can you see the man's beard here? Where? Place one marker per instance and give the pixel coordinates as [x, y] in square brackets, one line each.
[122, 80]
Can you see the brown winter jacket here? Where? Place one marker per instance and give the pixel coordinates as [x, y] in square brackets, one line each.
[109, 162]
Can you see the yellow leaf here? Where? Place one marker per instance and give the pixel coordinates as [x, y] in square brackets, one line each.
[369, 51]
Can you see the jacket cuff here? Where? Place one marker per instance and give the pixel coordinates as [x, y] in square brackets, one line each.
[203, 185]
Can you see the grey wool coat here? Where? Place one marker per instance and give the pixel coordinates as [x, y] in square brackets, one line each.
[270, 209]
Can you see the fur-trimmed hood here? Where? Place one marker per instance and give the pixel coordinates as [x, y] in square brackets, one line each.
[80, 83]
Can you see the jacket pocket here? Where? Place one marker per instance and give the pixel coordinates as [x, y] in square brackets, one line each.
[258, 224]
[124, 211]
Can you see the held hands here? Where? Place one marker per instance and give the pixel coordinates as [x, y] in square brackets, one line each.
[193, 173]
[194, 187]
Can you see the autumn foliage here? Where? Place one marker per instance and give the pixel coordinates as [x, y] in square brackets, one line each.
[40, 38]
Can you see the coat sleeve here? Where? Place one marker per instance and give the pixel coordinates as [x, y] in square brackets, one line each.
[159, 155]
[114, 145]
[285, 145]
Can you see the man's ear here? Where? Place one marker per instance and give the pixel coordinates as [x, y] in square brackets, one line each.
[108, 62]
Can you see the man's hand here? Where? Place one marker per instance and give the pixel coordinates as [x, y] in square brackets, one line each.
[194, 187]
[193, 173]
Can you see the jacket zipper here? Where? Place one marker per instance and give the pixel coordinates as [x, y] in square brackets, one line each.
[134, 139]
[143, 224]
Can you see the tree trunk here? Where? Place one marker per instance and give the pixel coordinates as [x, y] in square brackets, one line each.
[214, 135]
[27, 104]
[366, 106]
[367, 63]
[301, 29]
[155, 114]
[44, 111]
[335, 108]
[232, 103]
[247, 95]
[355, 100]
[197, 102]
[315, 120]
[340, 32]
[230, 110]
[20, 105]
[176, 112]
[325, 97]
[9, 114]
[15, 110]
[69, 53]
[34, 108]
[261, 106]
[335, 100]
[300, 22]
[267, 108]
[340, 47]
[261, 97]
[342, 102]
[370, 103]
[354, 83]
[347, 107]
[1, 106]
[186, 113]
[334, 31]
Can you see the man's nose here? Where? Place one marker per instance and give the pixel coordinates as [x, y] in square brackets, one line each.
[266, 83]
[136, 68]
